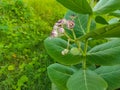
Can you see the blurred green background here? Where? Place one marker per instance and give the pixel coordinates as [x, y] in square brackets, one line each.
[24, 24]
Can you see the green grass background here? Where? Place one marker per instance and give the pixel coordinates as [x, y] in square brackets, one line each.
[24, 24]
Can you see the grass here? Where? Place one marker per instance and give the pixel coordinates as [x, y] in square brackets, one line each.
[23, 59]
[49, 10]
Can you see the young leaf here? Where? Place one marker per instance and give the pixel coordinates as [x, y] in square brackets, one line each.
[100, 20]
[59, 75]
[86, 80]
[105, 54]
[79, 6]
[80, 22]
[111, 75]
[108, 31]
[106, 6]
[55, 46]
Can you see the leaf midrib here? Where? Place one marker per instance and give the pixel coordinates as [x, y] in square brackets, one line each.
[85, 79]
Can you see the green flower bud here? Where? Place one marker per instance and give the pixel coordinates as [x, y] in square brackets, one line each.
[74, 51]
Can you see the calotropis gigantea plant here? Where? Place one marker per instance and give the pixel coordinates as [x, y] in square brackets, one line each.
[86, 44]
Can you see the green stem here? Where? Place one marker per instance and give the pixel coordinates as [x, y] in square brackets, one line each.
[92, 3]
[89, 23]
[73, 34]
[77, 42]
[84, 63]
[85, 52]
[79, 47]
[69, 37]
[68, 44]
[86, 47]
[86, 42]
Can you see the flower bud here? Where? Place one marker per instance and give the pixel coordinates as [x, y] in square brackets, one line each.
[65, 51]
[61, 22]
[61, 30]
[55, 27]
[54, 33]
[70, 24]
[74, 51]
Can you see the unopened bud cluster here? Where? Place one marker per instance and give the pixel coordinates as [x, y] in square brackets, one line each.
[65, 51]
[58, 29]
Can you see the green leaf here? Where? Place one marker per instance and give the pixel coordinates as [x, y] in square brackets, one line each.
[59, 75]
[105, 54]
[22, 80]
[108, 31]
[11, 67]
[111, 75]
[115, 13]
[80, 22]
[106, 6]
[54, 87]
[114, 20]
[55, 46]
[100, 20]
[93, 42]
[79, 6]
[86, 80]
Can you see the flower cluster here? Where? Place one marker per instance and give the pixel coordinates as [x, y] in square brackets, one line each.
[58, 29]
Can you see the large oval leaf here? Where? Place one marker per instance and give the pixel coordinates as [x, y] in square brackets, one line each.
[86, 80]
[105, 54]
[59, 75]
[80, 22]
[108, 31]
[111, 74]
[55, 46]
[79, 6]
[106, 6]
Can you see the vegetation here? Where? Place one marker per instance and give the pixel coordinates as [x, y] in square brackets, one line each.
[83, 64]
[23, 27]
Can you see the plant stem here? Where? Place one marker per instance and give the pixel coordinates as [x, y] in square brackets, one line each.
[92, 3]
[89, 23]
[69, 37]
[73, 34]
[86, 42]
[68, 44]
[79, 47]
[77, 42]
[84, 63]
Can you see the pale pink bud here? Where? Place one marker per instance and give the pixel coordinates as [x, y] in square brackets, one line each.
[54, 33]
[61, 30]
[55, 27]
[70, 24]
[61, 22]
[65, 51]
[64, 21]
